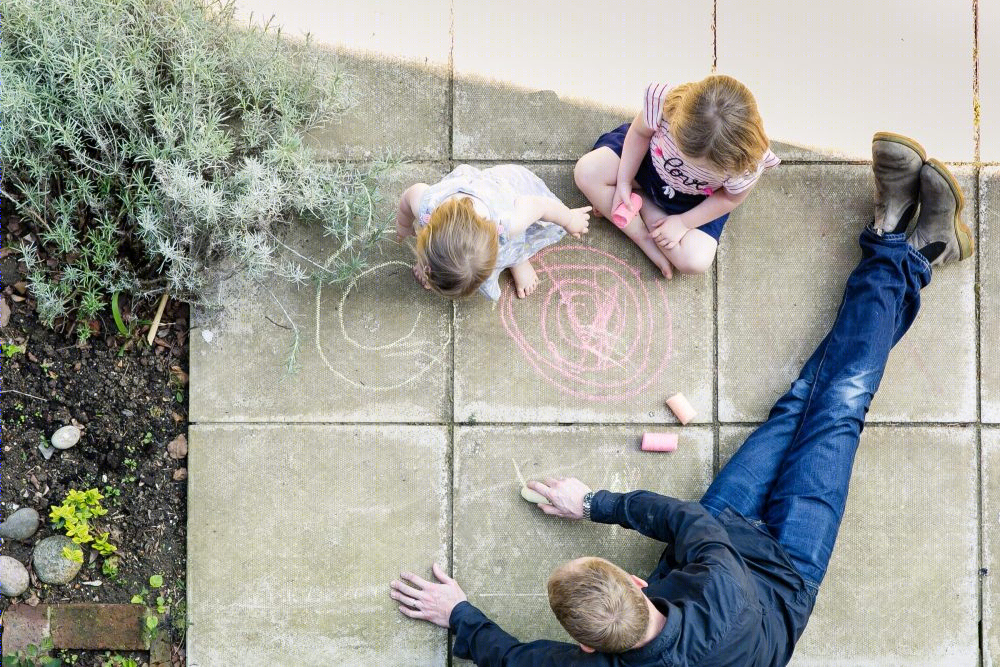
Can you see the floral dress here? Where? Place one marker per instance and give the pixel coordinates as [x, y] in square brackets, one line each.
[498, 189]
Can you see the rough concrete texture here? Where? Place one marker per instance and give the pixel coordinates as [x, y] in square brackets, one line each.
[390, 361]
[401, 109]
[810, 99]
[523, 94]
[570, 49]
[797, 234]
[503, 122]
[909, 541]
[604, 337]
[991, 547]
[505, 548]
[989, 81]
[989, 292]
[295, 533]
[416, 32]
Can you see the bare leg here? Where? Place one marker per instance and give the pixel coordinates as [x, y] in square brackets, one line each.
[525, 278]
[596, 174]
[696, 251]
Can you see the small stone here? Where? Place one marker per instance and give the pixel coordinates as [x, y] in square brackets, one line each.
[46, 451]
[13, 578]
[178, 447]
[50, 564]
[20, 525]
[66, 437]
[180, 474]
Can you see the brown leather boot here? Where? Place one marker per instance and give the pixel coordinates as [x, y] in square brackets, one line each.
[940, 234]
[896, 161]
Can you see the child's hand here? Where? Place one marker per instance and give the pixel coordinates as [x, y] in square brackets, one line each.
[420, 273]
[623, 192]
[578, 221]
[670, 232]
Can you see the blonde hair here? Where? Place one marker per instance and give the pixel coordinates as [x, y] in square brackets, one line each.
[457, 247]
[598, 604]
[717, 119]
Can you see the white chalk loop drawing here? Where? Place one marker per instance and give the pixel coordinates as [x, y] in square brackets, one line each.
[399, 362]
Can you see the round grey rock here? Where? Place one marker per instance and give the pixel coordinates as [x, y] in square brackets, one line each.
[66, 437]
[13, 577]
[20, 525]
[50, 564]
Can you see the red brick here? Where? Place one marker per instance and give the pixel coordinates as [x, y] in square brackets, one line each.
[24, 625]
[116, 627]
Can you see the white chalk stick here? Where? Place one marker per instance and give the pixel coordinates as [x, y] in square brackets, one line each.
[681, 408]
[659, 442]
[533, 496]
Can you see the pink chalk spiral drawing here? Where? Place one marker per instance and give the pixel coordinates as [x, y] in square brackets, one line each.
[600, 333]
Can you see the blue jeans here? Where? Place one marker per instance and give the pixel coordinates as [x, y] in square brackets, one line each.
[791, 476]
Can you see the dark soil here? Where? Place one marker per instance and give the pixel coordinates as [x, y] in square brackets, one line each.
[130, 399]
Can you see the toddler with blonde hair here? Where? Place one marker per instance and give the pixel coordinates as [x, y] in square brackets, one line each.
[475, 223]
[694, 152]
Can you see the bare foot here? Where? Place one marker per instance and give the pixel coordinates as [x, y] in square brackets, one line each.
[525, 278]
[636, 230]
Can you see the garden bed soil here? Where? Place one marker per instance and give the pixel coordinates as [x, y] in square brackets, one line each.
[130, 399]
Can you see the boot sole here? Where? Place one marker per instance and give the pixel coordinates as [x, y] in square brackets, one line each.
[900, 139]
[962, 231]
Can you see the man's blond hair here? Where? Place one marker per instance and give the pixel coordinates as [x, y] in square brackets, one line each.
[457, 248]
[717, 119]
[599, 605]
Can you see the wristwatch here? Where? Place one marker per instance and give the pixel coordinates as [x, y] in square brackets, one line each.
[587, 499]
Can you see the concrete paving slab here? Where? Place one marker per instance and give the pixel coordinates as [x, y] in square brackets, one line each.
[804, 221]
[604, 338]
[828, 74]
[910, 535]
[991, 546]
[989, 81]
[280, 528]
[505, 548]
[538, 82]
[382, 353]
[989, 292]
[418, 32]
[401, 110]
[396, 58]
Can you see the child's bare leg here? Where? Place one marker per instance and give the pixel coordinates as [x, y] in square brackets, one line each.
[696, 251]
[525, 278]
[596, 174]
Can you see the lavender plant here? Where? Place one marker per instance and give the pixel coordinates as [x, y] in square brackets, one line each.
[149, 142]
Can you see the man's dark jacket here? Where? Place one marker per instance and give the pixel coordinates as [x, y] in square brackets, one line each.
[727, 588]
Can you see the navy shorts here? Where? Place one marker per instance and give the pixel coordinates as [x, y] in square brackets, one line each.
[653, 185]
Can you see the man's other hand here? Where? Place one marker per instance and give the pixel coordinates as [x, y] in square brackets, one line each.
[427, 601]
[565, 496]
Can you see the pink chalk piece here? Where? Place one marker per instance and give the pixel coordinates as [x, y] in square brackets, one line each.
[659, 442]
[624, 213]
[681, 408]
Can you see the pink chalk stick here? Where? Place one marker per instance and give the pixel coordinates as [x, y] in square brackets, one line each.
[659, 442]
[624, 212]
[681, 408]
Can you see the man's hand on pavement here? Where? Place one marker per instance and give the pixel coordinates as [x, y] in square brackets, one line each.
[565, 496]
[425, 600]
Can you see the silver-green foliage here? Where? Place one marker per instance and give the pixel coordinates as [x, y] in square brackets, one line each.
[149, 141]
